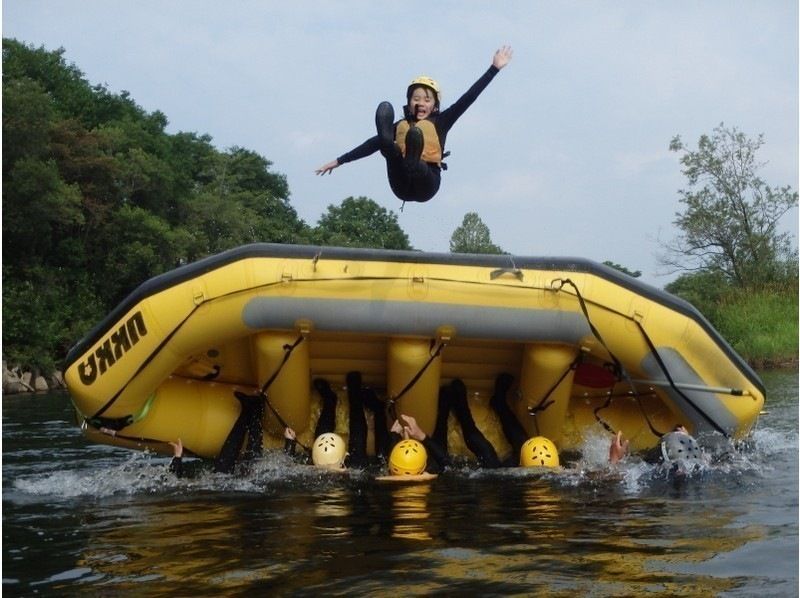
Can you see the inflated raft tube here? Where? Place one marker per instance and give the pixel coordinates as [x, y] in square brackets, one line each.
[587, 346]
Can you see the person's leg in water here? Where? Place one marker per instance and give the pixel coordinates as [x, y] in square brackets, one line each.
[357, 444]
[442, 414]
[513, 430]
[327, 415]
[473, 437]
[248, 422]
[383, 441]
[410, 178]
[255, 432]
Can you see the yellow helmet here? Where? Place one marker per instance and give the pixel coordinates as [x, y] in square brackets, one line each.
[408, 457]
[328, 451]
[427, 82]
[538, 452]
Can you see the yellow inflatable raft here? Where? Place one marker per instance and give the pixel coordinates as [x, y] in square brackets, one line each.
[588, 346]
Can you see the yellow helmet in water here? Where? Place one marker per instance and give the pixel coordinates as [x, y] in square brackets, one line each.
[427, 82]
[329, 451]
[538, 452]
[408, 457]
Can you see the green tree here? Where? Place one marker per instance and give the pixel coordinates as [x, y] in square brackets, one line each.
[623, 269]
[730, 220]
[473, 237]
[97, 198]
[360, 222]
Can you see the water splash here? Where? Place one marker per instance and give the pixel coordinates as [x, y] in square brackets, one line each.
[123, 473]
[143, 473]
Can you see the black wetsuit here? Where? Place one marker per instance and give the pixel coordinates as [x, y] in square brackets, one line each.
[455, 397]
[247, 425]
[421, 182]
[358, 398]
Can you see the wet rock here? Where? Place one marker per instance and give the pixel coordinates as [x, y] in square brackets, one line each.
[40, 384]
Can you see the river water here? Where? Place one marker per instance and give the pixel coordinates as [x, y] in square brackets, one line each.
[97, 520]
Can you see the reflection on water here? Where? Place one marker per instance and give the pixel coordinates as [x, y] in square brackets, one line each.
[97, 519]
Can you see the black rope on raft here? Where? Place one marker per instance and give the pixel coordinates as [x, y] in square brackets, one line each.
[391, 403]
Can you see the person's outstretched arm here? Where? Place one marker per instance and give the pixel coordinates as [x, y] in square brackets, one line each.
[499, 61]
[369, 147]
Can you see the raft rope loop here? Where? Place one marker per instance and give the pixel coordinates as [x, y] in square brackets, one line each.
[545, 401]
[618, 368]
[391, 406]
[263, 392]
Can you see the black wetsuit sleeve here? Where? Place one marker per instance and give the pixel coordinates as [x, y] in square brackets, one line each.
[436, 452]
[176, 466]
[448, 117]
[369, 147]
[289, 446]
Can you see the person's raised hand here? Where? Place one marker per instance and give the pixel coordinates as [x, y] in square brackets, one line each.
[327, 168]
[618, 448]
[502, 57]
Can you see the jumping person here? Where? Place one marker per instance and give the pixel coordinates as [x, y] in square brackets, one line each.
[414, 146]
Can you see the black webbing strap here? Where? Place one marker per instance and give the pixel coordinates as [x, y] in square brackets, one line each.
[544, 403]
[390, 404]
[672, 384]
[618, 367]
[263, 392]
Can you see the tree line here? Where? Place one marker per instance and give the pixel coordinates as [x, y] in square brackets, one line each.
[98, 197]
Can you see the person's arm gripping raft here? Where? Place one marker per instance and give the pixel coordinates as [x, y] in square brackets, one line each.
[414, 146]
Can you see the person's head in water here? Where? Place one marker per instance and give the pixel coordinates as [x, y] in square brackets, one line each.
[422, 98]
[408, 457]
[329, 451]
[538, 452]
[680, 451]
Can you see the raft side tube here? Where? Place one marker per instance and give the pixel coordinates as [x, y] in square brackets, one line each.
[546, 369]
[289, 394]
[406, 357]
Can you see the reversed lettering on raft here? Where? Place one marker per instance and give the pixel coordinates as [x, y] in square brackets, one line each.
[113, 348]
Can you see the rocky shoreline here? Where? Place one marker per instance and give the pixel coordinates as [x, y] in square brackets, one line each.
[18, 381]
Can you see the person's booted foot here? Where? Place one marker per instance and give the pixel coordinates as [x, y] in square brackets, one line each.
[502, 384]
[324, 389]
[384, 123]
[371, 401]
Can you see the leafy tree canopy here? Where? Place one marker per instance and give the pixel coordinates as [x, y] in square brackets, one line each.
[623, 269]
[473, 236]
[730, 221]
[360, 222]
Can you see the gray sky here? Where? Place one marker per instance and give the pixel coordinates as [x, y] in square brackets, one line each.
[565, 154]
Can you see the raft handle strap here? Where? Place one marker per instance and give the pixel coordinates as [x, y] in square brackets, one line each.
[515, 272]
[118, 423]
[391, 403]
